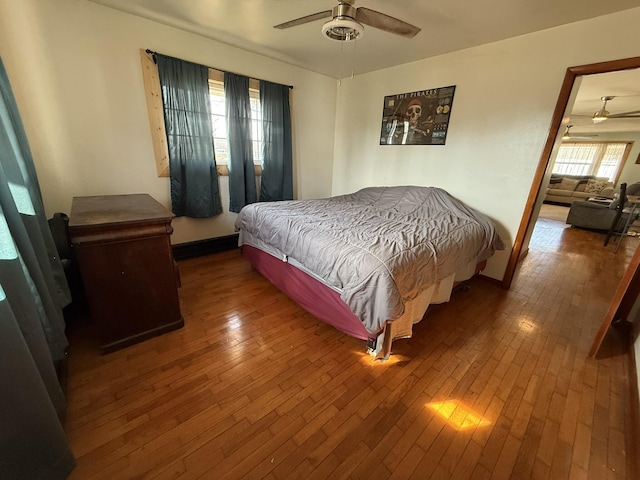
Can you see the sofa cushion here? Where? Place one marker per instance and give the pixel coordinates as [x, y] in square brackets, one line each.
[567, 184]
[559, 193]
[607, 192]
[595, 186]
[581, 195]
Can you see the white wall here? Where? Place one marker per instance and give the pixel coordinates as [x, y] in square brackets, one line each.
[504, 100]
[631, 171]
[75, 70]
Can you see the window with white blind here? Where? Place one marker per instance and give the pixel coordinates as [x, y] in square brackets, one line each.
[219, 123]
[601, 159]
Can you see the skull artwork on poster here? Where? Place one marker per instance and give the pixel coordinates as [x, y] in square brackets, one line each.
[414, 112]
[417, 118]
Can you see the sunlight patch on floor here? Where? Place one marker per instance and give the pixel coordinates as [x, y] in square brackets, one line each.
[458, 415]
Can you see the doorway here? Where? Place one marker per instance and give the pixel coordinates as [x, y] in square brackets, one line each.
[573, 75]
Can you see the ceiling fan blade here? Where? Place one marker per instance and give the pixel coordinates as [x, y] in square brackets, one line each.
[632, 114]
[385, 22]
[302, 20]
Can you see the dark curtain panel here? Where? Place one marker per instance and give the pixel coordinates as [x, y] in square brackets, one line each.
[33, 291]
[277, 175]
[242, 178]
[187, 117]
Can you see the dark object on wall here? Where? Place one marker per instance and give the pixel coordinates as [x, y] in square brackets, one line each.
[125, 258]
[417, 118]
[59, 226]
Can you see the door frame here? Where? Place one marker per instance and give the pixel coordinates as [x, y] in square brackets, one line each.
[556, 120]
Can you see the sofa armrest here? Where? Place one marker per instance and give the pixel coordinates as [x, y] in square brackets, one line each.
[590, 205]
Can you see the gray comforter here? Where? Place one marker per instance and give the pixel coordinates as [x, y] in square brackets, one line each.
[378, 247]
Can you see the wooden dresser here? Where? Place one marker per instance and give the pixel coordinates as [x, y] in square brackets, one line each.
[125, 259]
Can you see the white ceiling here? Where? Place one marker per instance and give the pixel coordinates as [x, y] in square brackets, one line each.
[446, 26]
[623, 85]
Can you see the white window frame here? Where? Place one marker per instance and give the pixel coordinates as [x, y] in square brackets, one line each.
[219, 123]
[590, 158]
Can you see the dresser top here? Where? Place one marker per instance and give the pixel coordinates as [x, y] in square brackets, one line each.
[113, 209]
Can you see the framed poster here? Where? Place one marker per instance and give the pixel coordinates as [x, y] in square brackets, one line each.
[417, 118]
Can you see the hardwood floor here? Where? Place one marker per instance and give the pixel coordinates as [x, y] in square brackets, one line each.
[255, 387]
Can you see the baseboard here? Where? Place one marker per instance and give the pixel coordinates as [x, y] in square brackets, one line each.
[490, 280]
[182, 251]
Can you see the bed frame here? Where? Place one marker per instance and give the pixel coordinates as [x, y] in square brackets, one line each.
[325, 303]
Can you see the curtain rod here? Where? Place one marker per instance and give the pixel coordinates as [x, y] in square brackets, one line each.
[151, 52]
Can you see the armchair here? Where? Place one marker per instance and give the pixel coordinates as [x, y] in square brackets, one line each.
[598, 216]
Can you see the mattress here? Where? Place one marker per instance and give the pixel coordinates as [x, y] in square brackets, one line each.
[386, 251]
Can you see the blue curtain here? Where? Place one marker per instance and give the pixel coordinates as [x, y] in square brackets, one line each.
[33, 291]
[277, 174]
[187, 117]
[242, 177]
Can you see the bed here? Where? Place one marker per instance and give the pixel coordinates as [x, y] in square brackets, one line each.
[371, 262]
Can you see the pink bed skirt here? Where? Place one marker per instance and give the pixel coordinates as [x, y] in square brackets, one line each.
[325, 303]
[315, 297]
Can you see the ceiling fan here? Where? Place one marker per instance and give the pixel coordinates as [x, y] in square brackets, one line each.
[602, 114]
[347, 22]
[567, 136]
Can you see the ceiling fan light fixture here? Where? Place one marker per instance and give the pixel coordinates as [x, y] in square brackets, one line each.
[342, 29]
[567, 134]
[602, 114]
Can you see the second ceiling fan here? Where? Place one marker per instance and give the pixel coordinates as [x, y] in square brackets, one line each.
[568, 136]
[347, 22]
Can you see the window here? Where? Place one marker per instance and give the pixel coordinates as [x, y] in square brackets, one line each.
[601, 159]
[216, 95]
[219, 123]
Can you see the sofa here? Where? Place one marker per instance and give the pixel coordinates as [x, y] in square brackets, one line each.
[565, 189]
[598, 216]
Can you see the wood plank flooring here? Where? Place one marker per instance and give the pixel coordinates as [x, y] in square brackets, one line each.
[255, 387]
